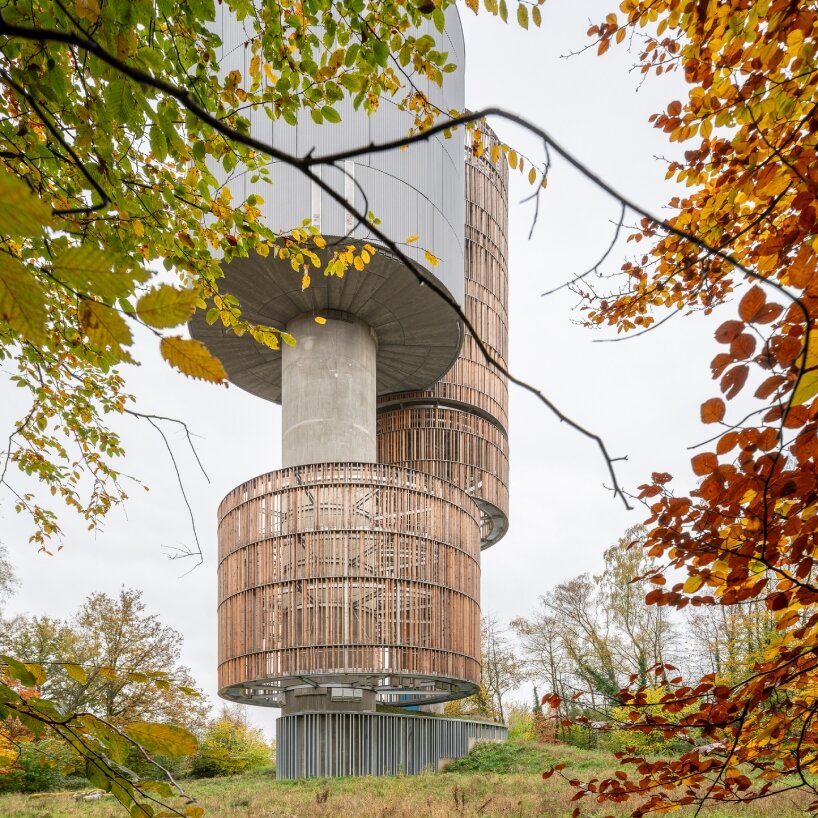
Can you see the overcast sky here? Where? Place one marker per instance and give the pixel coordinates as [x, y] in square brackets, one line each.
[641, 395]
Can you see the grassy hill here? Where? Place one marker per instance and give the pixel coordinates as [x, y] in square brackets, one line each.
[494, 781]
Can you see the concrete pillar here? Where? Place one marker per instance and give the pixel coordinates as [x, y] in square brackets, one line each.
[328, 392]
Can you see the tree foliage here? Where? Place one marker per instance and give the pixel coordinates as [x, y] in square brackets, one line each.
[99, 659]
[744, 538]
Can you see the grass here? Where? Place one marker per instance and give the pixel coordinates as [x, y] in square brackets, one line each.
[494, 781]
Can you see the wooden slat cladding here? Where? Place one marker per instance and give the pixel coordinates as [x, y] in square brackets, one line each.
[458, 446]
[345, 569]
[456, 430]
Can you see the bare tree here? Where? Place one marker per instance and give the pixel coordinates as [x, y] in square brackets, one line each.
[503, 669]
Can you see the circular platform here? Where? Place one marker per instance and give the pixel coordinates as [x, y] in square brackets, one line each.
[419, 334]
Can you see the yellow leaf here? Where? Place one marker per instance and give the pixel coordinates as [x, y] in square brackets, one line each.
[90, 270]
[255, 66]
[358, 263]
[412, 239]
[162, 739]
[495, 153]
[109, 673]
[319, 319]
[165, 306]
[22, 300]
[532, 176]
[693, 583]
[512, 159]
[319, 241]
[268, 70]
[431, 258]
[193, 359]
[104, 327]
[473, 5]
[305, 281]
[87, 10]
[808, 385]
[22, 213]
[76, 672]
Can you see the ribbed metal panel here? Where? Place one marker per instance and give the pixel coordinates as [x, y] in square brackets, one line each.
[329, 745]
[414, 191]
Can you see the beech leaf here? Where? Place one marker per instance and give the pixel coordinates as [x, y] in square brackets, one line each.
[165, 306]
[22, 300]
[192, 358]
[162, 739]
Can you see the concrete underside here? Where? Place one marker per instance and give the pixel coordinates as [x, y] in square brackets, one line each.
[419, 335]
[331, 745]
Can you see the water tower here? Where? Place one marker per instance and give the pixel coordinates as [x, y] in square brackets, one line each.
[349, 579]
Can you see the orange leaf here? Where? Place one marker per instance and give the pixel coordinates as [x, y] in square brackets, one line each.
[704, 463]
[752, 304]
[728, 331]
[713, 410]
[734, 380]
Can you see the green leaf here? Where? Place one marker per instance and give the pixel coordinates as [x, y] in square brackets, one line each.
[162, 739]
[165, 306]
[193, 359]
[330, 114]
[90, 271]
[22, 300]
[22, 212]
[159, 144]
[503, 11]
[117, 98]
[17, 670]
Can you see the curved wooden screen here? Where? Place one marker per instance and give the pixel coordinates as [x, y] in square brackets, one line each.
[457, 429]
[349, 574]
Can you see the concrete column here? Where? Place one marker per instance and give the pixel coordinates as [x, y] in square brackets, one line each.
[328, 392]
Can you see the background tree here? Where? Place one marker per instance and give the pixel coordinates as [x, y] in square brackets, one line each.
[502, 668]
[101, 657]
[8, 581]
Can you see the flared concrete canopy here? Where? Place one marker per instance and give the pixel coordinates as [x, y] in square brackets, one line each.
[419, 334]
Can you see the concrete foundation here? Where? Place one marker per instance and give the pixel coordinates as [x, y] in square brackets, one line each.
[328, 391]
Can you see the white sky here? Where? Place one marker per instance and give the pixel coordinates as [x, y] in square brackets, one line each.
[641, 395]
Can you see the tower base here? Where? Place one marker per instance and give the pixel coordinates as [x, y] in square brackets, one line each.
[332, 745]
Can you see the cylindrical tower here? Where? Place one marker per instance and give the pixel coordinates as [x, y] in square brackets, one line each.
[350, 578]
[457, 430]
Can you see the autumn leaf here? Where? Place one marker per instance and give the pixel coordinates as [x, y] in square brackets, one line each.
[76, 672]
[162, 739]
[192, 358]
[22, 300]
[807, 387]
[704, 463]
[91, 271]
[104, 327]
[431, 258]
[166, 306]
[712, 410]
[22, 212]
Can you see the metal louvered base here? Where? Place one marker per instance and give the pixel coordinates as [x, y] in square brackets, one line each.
[331, 745]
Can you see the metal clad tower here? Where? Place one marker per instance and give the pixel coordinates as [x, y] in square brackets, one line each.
[350, 578]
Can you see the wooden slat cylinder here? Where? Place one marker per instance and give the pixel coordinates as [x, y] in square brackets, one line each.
[349, 573]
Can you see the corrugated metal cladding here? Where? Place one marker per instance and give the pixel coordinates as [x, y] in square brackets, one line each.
[323, 745]
[414, 192]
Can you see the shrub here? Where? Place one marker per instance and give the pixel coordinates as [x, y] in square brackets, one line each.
[47, 764]
[231, 746]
